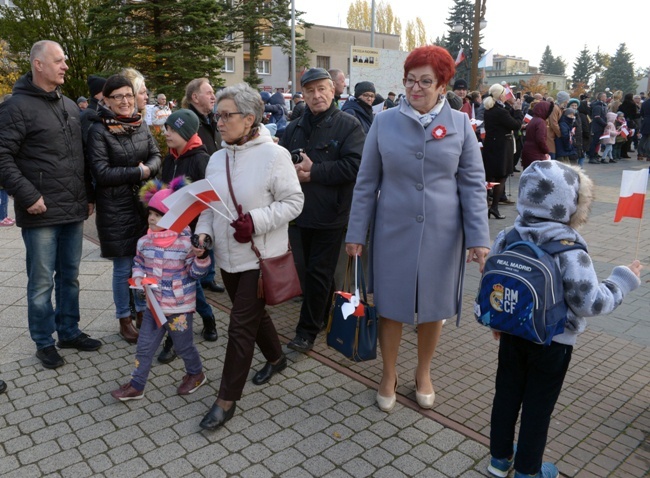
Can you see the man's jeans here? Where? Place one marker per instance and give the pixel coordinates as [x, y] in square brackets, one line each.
[53, 255]
[122, 267]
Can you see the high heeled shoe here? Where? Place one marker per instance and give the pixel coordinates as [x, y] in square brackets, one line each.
[217, 416]
[386, 404]
[495, 213]
[424, 400]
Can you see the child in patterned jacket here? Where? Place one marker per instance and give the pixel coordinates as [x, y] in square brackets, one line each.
[170, 259]
[554, 199]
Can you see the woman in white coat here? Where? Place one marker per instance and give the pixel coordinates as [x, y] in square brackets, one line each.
[266, 187]
[421, 188]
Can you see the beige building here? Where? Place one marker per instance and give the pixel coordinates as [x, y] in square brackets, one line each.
[331, 47]
[504, 65]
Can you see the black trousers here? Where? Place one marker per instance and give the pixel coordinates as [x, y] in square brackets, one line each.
[595, 141]
[529, 378]
[321, 249]
[249, 324]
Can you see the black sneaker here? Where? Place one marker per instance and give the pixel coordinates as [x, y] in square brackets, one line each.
[82, 342]
[300, 344]
[3, 386]
[49, 357]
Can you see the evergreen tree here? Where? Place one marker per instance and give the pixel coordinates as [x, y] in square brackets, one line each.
[583, 68]
[63, 21]
[558, 67]
[461, 12]
[601, 62]
[620, 74]
[547, 62]
[169, 41]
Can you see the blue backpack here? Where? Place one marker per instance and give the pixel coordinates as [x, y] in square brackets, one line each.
[521, 291]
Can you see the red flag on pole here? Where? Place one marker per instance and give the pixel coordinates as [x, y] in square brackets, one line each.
[633, 190]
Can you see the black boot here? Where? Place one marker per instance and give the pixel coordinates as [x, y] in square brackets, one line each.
[209, 332]
[168, 353]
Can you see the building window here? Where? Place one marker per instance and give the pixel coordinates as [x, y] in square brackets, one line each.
[228, 64]
[263, 67]
[323, 62]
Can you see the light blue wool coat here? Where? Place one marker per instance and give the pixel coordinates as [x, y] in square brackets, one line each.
[424, 202]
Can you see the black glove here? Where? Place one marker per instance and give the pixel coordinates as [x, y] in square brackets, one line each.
[244, 227]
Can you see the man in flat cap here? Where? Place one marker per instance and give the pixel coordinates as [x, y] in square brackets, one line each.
[332, 142]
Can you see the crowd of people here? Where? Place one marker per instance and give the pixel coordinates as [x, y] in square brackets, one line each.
[403, 178]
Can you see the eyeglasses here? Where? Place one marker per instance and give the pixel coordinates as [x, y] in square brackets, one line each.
[122, 97]
[423, 83]
[225, 117]
[370, 96]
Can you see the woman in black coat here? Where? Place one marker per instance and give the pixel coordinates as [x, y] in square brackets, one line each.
[631, 112]
[122, 155]
[499, 143]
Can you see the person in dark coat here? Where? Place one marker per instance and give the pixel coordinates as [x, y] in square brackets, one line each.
[598, 124]
[535, 147]
[644, 144]
[499, 143]
[199, 97]
[88, 116]
[42, 166]
[332, 142]
[585, 124]
[629, 108]
[360, 105]
[565, 148]
[122, 154]
[298, 107]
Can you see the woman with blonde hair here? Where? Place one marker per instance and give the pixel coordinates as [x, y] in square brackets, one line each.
[139, 88]
[617, 99]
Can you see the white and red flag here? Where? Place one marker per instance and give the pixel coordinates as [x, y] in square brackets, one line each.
[634, 185]
[460, 57]
[527, 118]
[187, 203]
[509, 94]
[148, 284]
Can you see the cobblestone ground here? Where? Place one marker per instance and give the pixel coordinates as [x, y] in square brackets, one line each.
[319, 418]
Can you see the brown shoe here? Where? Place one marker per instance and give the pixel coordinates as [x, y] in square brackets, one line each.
[191, 383]
[126, 392]
[127, 331]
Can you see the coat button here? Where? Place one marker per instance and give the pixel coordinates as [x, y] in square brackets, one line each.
[419, 155]
[419, 187]
[419, 218]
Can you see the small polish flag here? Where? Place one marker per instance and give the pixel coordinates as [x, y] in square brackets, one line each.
[527, 118]
[460, 57]
[604, 137]
[187, 203]
[625, 132]
[509, 94]
[634, 185]
[148, 284]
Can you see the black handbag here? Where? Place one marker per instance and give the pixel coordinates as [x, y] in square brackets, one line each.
[352, 329]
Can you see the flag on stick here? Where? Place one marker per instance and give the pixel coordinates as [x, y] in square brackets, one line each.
[187, 203]
[148, 284]
[527, 118]
[633, 189]
[460, 57]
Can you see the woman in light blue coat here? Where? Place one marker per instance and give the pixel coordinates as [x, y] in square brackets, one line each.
[421, 187]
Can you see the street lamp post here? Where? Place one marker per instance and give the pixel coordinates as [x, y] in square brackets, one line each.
[479, 24]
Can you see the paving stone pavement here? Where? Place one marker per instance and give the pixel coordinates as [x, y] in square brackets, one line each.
[319, 418]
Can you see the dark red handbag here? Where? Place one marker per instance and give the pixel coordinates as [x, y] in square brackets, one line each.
[278, 280]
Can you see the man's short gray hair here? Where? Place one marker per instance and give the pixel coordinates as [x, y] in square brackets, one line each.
[247, 100]
[192, 87]
[38, 48]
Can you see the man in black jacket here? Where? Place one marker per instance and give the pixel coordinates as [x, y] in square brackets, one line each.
[332, 142]
[95, 86]
[42, 165]
[598, 123]
[200, 98]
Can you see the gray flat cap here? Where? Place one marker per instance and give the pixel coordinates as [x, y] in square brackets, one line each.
[314, 74]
